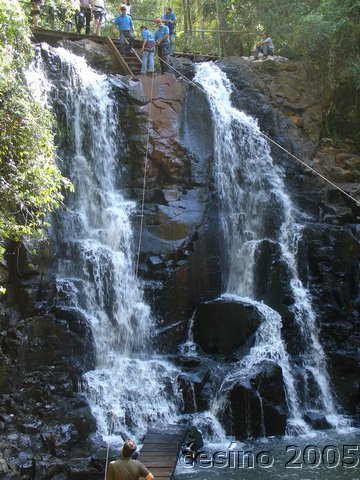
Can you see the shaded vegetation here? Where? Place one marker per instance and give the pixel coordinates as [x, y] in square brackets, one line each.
[30, 182]
[326, 32]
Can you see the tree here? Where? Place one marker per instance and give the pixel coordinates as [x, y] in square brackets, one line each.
[30, 182]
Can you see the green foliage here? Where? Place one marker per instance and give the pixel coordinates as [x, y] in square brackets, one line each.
[30, 182]
[54, 14]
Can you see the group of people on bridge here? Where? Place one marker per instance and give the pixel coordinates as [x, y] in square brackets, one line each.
[163, 38]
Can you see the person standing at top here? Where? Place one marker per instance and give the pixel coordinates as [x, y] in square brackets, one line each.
[148, 50]
[127, 5]
[84, 16]
[265, 46]
[126, 468]
[35, 11]
[98, 9]
[169, 18]
[125, 26]
[162, 41]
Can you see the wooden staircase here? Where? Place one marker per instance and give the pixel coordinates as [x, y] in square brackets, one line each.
[130, 63]
[134, 62]
[160, 451]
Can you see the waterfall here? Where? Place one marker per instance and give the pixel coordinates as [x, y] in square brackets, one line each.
[255, 210]
[128, 389]
[130, 386]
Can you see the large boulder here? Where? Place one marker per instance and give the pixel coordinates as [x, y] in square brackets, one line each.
[224, 325]
[256, 406]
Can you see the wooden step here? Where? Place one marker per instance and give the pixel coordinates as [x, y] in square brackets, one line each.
[160, 450]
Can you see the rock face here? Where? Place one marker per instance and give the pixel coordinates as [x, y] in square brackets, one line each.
[180, 245]
[224, 325]
[258, 407]
[46, 427]
[284, 96]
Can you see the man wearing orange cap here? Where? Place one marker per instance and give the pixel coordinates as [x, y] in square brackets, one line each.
[126, 468]
[162, 41]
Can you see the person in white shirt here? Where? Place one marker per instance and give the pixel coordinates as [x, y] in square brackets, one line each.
[127, 6]
[98, 9]
[265, 46]
[84, 16]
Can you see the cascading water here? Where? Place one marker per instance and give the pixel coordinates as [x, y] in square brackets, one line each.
[127, 390]
[255, 208]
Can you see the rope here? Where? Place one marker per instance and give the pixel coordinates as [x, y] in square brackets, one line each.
[273, 141]
[144, 179]
[111, 426]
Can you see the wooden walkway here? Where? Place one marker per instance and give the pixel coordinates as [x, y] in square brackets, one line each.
[129, 64]
[161, 449]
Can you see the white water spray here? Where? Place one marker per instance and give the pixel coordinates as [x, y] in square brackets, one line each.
[254, 207]
[129, 389]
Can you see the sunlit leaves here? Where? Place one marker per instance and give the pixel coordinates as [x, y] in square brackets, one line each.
[30, 182]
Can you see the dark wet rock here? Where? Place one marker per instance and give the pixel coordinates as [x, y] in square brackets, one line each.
[4, 274]
[100, 457]
[27, 465]
[44, 350]
[4, 467]
[317, 420]
[193, 439]
[345, 373]
[80, 468]
[224, 325]
[289, 113]
[97, 55]
[83, 420]
[271, 277]
[180, 246]
[256, 407]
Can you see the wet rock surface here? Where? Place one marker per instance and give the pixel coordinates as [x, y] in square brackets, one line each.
[289, 111]
[46, 427]
[256, 407]
[224, 325]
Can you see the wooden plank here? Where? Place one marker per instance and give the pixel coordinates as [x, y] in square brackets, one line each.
[162, 471]
[161, 451]
[157, 461]
[119, 58]
[160, 463]
[155, 437]
[159, 443]
[161, 448]
[163, 439]
[168, 431]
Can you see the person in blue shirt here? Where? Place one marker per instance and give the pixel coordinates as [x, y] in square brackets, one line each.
[126, 28]
[148, 49]
[162, 41]
[169, 18]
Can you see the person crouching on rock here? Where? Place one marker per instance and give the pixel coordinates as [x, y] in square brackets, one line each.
[126, 468]
[265, 46]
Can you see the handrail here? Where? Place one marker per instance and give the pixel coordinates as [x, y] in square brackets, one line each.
[119, 57]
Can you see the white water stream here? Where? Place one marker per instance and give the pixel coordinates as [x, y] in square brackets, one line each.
[254, 206]
[131, 387]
